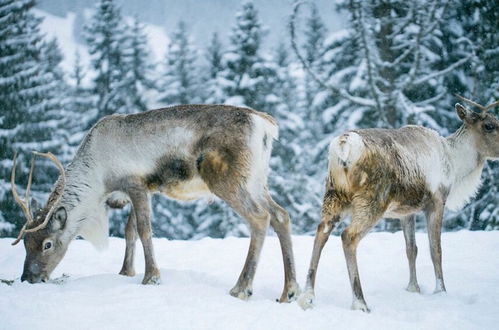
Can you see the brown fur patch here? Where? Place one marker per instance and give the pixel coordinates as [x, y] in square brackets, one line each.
[169, 171]
[214, 164]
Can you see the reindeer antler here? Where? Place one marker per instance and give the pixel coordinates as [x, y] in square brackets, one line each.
[479, 106]
[25, 206]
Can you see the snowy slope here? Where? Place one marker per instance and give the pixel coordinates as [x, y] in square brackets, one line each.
[198, 274]
[62, 29]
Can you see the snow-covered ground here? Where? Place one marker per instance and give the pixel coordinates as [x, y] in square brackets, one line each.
[198, 274]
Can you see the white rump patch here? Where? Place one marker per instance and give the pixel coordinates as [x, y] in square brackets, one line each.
[346, 149]
[262, 130]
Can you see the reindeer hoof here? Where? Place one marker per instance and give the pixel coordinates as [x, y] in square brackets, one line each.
[127, 272]
[243, 294]
[439, 287]
[413, 287]
[360, 305]
[290, 294]
[151, 279]
[306, 300]
[439, 290]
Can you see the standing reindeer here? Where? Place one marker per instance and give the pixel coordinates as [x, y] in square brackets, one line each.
[184, 152]
[395, 173]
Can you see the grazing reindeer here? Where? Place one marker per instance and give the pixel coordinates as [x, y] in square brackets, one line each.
[184, 152]
[394, 173]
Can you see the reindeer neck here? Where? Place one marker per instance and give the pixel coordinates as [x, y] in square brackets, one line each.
[82, 199]
[467, 164]
[464, 154]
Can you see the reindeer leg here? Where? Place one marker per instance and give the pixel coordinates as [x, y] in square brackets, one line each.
[408, 225]
[363, 220]
[259, 222]
[131, 238]
[141, 207]
[434, 214]
[281, 224]
[330, 215]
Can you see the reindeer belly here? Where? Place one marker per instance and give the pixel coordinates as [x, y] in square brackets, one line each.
[397, 211]
[187, 190]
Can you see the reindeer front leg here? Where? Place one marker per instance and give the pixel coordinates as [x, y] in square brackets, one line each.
[411, 249]
[434, 214]
[141, 208]
[131, 237]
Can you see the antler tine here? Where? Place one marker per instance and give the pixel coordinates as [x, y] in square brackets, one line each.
[54, 159]
[18, 199]
[490, 106]
[479, 106]
[23, 204]
[57, 163]
[28, 187]
[20, 236]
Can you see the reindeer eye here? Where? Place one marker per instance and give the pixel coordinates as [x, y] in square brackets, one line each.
[47, 245]
[489, 127]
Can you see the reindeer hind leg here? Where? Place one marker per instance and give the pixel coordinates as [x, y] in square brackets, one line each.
[258, 220]
[130, 237]
[280, 222]
[331, 214]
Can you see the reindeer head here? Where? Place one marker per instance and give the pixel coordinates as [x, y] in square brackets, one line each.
[484, 127]
[43, 231]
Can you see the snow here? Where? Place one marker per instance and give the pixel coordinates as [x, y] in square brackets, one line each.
[62, 29]
[197, 276]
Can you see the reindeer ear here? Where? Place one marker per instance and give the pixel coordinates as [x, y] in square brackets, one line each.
[59, 219]
[465, 114]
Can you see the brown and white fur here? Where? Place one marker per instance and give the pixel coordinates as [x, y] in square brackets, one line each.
[185, 152]
[395, 173]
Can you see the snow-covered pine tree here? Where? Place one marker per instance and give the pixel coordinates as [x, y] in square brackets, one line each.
[290, 184]
[313, 48]
[52, 57]
[181, 83]
[29, 105]
[104, 34]
[81, 105]
[248, 76]
[213, 81]
[137, 69]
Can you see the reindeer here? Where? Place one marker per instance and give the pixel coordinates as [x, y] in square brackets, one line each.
[184, 152]
[395, 173]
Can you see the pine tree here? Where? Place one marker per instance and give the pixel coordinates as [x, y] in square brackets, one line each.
[104, 35]
[136, 69]
[315, 32]
[290, 184]
[180, 83]
[81, 105]
[248, 76]
[213, 80]
[29, 104]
